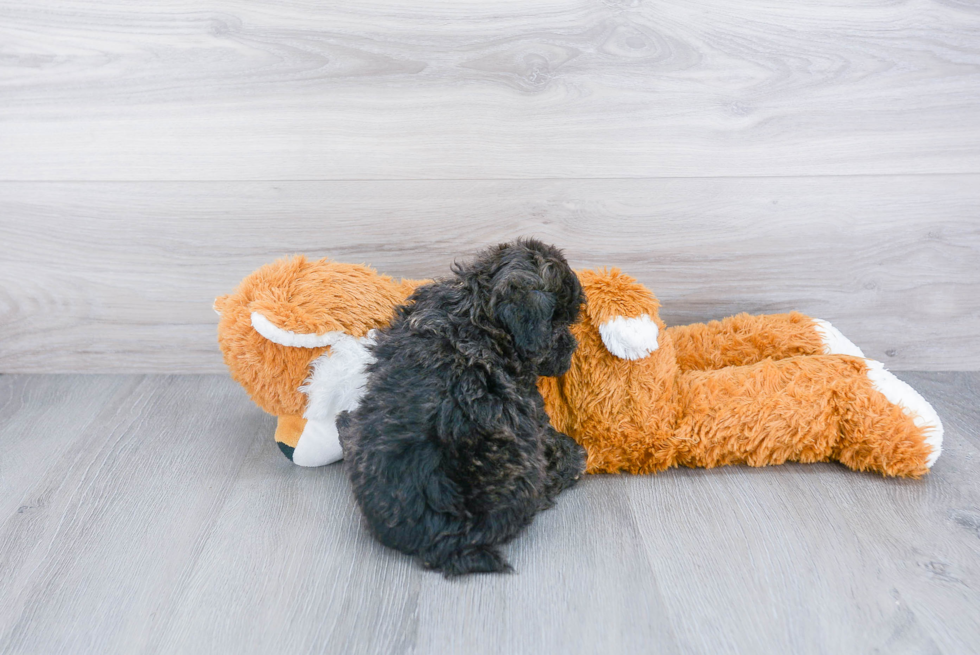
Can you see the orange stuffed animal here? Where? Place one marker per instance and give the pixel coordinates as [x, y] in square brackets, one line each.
[749, 389]
[757, 390]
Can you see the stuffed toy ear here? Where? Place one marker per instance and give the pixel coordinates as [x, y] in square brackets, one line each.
[624, 311]
[528, 319]
[630, 338]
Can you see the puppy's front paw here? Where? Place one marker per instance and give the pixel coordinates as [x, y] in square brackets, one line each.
[566, 464]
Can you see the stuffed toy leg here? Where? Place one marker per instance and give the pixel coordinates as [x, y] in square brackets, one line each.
[294, 335]
[756, 390]
[747, 339]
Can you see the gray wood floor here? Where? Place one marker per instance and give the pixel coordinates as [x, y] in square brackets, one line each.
[154, 514]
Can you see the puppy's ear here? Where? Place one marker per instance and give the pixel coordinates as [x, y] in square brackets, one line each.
[527, 317]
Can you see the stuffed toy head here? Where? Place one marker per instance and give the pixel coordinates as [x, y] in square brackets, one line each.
[294, 335]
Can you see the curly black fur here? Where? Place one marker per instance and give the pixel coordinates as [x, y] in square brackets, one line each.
[450, 452]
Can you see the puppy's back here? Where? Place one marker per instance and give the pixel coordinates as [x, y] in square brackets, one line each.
[391, 447]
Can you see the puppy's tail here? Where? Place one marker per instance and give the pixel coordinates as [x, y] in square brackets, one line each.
[471, 559]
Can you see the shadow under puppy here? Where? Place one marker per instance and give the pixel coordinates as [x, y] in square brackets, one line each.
[450, 452]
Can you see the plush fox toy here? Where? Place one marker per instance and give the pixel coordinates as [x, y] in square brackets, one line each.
[639, 397]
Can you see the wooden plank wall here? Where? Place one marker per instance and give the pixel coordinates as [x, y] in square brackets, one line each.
[749, 156]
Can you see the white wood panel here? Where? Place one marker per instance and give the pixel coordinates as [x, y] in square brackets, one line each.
[301, 89]
[121, 276]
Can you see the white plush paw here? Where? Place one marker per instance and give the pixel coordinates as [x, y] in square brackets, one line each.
[921, 412]
[630, 338]
[835, 343]
[318, 445]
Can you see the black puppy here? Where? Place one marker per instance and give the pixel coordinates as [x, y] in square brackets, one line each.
[450, 452]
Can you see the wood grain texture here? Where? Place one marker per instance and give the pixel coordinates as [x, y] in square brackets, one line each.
[298, 89]
[123, 469]
[120, 277]
[165, 520]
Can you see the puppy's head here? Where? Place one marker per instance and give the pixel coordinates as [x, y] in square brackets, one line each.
[534, 297]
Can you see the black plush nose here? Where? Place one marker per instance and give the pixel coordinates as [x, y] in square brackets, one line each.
[286, 450]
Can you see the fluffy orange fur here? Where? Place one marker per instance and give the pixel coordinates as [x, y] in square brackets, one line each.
[744, 339]
[749, 389]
